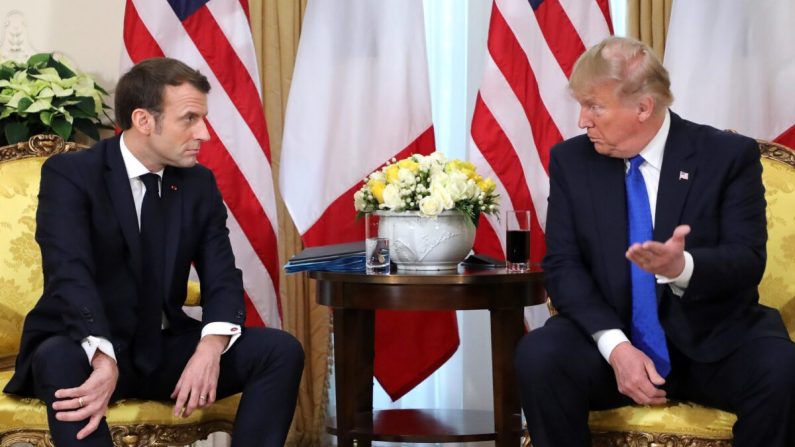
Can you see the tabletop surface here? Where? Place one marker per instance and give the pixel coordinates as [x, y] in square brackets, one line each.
[463, 275]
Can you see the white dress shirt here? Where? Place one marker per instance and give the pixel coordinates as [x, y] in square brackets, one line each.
[608, 339]
[135, 169]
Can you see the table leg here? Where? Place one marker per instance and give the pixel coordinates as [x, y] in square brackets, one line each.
[354, 331]
[507, 327]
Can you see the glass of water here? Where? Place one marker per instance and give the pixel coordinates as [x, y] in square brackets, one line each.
[376, 247]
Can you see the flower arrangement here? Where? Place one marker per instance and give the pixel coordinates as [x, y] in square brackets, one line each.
[430, 185]
[46, 95]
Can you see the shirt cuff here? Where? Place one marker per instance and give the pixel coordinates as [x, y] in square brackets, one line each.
[91, 343]
[221, 328]
[607, 340]
[680, 283]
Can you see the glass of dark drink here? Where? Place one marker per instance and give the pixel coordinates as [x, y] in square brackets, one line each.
[517, 240]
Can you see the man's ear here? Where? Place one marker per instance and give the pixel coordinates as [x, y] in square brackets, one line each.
[143, 121]
[645, 107]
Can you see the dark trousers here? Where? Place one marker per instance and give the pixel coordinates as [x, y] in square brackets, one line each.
[265, 364]
[562, 376]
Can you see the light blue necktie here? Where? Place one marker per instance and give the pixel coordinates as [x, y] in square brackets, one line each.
[647, 332]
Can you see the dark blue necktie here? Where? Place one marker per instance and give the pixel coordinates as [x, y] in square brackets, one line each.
[146, 348]
[647, 332]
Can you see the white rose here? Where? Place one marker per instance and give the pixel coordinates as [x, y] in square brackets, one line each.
[378, 176]
[430, 206]
[392, 198]
[438, 158]
[456, 185]
[439, 191]
[473, 190]
[359, 202]
[406, 177]
[425, 162]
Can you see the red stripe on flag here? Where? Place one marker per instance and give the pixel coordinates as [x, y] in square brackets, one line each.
[512, 62]
[253, 318]
[230, 71]
[604, 5]
[501, 156]
[787, 138]
[338, 222]
[486, 240]
[244, 5]
[560, 34]
[138, 40]
[243, 204]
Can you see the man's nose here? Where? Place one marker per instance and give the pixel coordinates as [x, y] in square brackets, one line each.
[584, 121]
[202, 133]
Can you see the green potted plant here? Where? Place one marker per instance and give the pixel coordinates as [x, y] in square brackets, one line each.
[46, 95]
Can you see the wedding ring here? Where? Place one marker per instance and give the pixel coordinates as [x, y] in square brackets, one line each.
[202, 398]
[80, 402]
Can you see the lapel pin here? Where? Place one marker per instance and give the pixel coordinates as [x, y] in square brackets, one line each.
[683, 175]
[174, 187]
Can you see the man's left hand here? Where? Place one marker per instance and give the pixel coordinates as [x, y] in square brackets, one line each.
[197, 384]
[665, 259]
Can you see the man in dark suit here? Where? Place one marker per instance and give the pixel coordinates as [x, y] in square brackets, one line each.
[119, 226]
[704, 336]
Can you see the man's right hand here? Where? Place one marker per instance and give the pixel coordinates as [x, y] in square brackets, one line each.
[89, 400]
[636, 375]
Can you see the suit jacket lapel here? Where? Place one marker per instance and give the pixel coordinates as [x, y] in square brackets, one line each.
[676, 175]
[172, 202]
[118, 185]
[606, 186]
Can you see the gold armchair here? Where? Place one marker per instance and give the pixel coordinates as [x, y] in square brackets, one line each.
[681, 424]
[133, 423]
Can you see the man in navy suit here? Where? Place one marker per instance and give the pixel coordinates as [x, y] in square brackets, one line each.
[119, 226]
[717, 345]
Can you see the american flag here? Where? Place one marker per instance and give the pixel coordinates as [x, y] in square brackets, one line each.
[523, 107]
[215, 37]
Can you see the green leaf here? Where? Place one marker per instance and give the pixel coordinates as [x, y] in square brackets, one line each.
[62, 127]
[49, 75]
[38, 106]
[39, 59]
[14, 101]
[16, 132]
[46, 92]
[23, 104]
[86, 104]
[87, 127]
[46, 117]
[62, 69]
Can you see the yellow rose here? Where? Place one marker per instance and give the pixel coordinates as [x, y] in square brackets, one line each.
[377, 189]
[463, 167]
[487, 186]
[409, 164]
[392, 173]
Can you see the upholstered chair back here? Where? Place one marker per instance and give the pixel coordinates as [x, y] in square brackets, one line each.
[20, 259]
[133, 423]
[778, 284]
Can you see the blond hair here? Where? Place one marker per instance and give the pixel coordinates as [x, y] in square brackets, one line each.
[630, 64]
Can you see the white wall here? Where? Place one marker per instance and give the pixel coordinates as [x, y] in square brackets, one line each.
[87, 32]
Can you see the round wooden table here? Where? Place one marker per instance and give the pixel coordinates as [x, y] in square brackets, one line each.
[354, 298]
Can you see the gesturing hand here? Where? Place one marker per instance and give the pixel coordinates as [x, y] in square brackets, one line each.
[636, 375]
[197, 384]
[89, 400]
[666, 259]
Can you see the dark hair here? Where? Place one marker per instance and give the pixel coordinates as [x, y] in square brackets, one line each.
[142, 86]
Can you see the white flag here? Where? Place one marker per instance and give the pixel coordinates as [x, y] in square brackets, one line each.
[732, 65]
